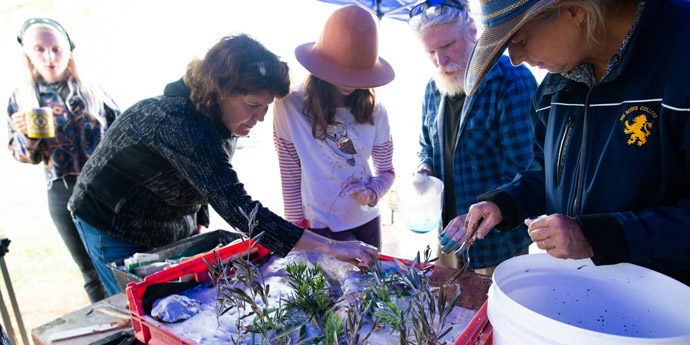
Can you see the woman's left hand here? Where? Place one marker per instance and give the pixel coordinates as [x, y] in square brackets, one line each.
[359, 191]
[357, 253]
[560, 236]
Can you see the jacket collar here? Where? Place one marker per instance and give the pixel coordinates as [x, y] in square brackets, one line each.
[50, 88]
[180, 89]
[42, 87]
[641, 27]
[556, 82]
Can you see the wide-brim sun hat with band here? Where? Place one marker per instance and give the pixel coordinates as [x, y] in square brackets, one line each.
[501, 20]
[347, 51]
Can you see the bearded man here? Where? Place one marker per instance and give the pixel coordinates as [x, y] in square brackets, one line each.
[473, 144]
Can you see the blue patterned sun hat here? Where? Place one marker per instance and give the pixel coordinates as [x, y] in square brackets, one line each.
[501, 20]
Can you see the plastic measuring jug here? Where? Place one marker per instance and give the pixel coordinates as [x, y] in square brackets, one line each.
[420, 201]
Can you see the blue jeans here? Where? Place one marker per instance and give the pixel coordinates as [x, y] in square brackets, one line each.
[59, 192]
[103, 249]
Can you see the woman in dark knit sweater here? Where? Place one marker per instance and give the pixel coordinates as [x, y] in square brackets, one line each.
[167, 157]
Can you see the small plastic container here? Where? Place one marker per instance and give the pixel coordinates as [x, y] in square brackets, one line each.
[420, 201]
[187, 247]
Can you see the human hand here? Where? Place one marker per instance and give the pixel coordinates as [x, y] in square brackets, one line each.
[359, 191]
[425, 170]
[19, 123]
[453, 235]
[481, 218]
[422, 182]
[560, 236]
[357, 253]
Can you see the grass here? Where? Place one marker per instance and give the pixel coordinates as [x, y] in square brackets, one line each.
[46, 282]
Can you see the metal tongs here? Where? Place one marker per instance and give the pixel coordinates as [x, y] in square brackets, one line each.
[465, 247]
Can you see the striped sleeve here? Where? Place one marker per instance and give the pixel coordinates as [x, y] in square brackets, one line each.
[382, 157]
[291, 179]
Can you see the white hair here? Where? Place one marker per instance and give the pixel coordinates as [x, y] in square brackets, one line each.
[432, 17]
[464, 24]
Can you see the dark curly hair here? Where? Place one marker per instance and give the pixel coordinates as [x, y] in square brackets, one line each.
[237, 64]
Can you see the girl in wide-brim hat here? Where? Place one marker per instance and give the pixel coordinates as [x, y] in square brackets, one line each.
[326, 131]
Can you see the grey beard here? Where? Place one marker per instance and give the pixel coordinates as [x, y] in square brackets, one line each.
[450, 86]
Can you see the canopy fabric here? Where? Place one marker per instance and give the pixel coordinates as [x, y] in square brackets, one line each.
[396, 9]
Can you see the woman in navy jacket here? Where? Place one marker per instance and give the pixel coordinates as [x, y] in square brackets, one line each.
[612, 157]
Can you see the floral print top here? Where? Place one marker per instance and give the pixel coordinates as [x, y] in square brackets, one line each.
[76, 133]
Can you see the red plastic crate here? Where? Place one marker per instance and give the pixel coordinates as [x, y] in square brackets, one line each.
[478, 331]
[154, 334]
[150, 334]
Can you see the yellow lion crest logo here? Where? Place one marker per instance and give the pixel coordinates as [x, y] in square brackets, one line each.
[639, 130]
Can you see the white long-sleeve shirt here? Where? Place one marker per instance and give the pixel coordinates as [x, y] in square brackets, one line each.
[312, 170]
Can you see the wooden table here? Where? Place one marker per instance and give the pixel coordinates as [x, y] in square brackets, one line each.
[101, 312]
[473, 286]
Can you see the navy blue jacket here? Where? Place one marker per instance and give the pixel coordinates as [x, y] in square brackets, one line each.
[617, 156]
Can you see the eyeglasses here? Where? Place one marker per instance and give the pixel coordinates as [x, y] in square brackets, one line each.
[434, 4]
[265, 67]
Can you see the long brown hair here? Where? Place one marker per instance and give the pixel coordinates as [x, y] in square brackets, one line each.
[319, 105]
[229, 68]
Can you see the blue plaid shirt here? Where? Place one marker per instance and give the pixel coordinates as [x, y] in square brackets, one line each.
[494, 142]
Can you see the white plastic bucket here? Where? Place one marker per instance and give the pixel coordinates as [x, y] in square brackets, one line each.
[538, 299]
[420, 200]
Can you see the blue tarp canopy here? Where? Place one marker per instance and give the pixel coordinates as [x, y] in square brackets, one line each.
[396, 9]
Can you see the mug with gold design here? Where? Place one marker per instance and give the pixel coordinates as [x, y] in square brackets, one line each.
[40, 123]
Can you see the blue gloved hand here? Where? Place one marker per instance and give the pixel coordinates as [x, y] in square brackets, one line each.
[453, 235]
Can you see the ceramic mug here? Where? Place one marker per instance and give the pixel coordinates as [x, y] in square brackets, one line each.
[40, 123]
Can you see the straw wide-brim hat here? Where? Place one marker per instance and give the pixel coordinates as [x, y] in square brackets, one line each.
[501, 20]
[347, 51]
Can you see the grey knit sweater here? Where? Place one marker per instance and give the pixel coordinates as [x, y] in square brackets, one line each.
[157, 165]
